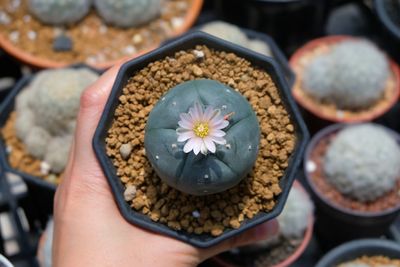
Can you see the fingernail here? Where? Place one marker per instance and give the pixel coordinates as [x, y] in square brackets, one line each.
[267, 230]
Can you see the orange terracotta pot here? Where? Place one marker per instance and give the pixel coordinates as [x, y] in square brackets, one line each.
[292, 258]
[302, 57]
[42, 63]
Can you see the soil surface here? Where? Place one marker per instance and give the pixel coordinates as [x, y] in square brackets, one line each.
[213, 214]
[326, 189]
[93, 41]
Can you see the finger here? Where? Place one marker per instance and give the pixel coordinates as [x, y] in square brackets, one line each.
[256, 234]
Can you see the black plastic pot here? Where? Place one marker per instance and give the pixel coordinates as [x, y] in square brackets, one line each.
[358, 248]
[387, 16]
[39, 204]
[277, 53]
[289, 22]
[336, 224]
[188, 41]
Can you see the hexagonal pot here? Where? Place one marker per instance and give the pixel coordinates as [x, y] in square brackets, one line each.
[336, 224]
[41, 192]
[358, 248]
[188, 41]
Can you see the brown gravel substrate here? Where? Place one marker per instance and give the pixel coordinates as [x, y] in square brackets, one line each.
[93, 41]
[374, 261]
[329, 109]
[318, 178]
[214, 213]
[18, 156]
[263, 258]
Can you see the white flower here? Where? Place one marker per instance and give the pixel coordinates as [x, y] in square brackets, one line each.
[201, 130]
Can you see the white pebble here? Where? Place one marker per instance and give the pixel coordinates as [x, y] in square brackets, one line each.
[32, 35]
[125, 150]
[44, 168]
[339, 114]
[26, 18]
[4, 18]
[103, 29]
[14, 36]
[137, 39]
[9, 149]
[130, 193]
[129, 50]
[177, 22]
[311, 166]
[196, 214]
[198, 54]
[14, 5]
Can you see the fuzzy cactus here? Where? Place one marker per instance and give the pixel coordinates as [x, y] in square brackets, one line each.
[128, 13]
[234, 34]
[352, 76]
[204, 173]
[363, 162]
[46, 112]
[59, 12]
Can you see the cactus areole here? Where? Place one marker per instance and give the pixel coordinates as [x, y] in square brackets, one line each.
[202, 137]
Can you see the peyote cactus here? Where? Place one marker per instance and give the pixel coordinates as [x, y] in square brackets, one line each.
[128, 13]
[234, 34]
[46, 112]
[59, 12]
[363, 162]
[352, 76]
[228, 121]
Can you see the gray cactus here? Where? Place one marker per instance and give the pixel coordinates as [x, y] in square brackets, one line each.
[46, 110]
[352, 76]
[59, 12]
[128, 13]
[363, 162]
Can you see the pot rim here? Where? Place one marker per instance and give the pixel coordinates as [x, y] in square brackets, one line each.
[5, 261]
[385, 20]
[300, 249]
[357, 245]
[314, 109]
[44, 63]
[310, 147]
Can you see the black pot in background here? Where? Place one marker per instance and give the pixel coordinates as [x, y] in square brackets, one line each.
[38, 205]
[358, 248]
[289, 22]
[388, 17]
[335, 224]
[189, 41]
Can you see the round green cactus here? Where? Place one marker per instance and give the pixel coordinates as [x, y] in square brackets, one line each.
[128, 13]
[227, 136]
[59, 12]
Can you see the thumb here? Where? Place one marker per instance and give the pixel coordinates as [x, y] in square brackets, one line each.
[253, 235]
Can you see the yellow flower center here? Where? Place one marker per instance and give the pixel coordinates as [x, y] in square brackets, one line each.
[201, 129]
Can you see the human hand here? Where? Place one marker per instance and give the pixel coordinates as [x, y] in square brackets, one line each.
[89, 229]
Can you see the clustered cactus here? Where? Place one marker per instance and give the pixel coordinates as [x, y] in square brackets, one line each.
[128, 13]
[352, 76]
[363, 162]
[59, 12]
[203, 173]
[46, 113]
[232, 33]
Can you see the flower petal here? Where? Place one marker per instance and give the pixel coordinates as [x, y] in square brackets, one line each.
[182, 137]
[209, 113]
[217, 133]
[189, 145]
[218, 140]
[196, 112]
[198, 142]
[186, 121]
[220, 125]
[209, 144]
[203, 148]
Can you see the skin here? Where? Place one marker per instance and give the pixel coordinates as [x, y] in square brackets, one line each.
[89, 229]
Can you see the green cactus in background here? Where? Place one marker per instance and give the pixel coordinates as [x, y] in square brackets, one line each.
[352, 76]
[59, 12]
[363, 162]
[226, 133]
[128, 13]
[46, 113]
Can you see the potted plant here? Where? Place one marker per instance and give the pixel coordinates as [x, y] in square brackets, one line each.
[36, 126]
[363, 252]
[344, 79]
[295, 232]
[186, 173]
[50, 33]
[354, 179]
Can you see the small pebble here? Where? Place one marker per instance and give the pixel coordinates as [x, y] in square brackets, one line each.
[177, 22]
[62, 43]
[198, 54]
[311, 166]
[197, 71]
[137, 39]
[196, 214]
[14, 36]
[130, 192]
[339, 114]
[125, 150]
[129, 50]
[4, 18]
[32, 35]
[45, 168]
[27, 18]
[103, 29]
